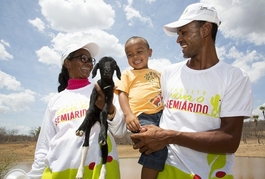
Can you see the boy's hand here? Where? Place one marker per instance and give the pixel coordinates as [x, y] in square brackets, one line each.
[132, 123]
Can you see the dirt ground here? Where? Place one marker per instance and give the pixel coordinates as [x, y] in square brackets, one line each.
[25, 151]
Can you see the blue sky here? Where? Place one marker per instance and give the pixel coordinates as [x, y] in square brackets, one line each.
[33, 34]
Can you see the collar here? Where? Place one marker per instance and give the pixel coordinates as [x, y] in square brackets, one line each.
[77, 83]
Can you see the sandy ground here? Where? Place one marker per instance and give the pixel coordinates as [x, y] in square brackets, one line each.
[25, 151]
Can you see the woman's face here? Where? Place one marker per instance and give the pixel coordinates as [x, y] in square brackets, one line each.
[76, 68]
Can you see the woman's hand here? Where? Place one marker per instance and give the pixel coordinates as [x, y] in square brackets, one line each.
[100, 102]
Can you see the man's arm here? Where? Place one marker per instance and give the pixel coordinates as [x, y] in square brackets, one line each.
[223, 140]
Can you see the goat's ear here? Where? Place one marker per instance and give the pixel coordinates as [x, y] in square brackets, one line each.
[95, 69]
[118, 72]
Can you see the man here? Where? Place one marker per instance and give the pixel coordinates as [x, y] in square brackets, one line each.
[205, 101]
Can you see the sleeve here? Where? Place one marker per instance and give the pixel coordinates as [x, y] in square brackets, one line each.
[117, 126]
[46, 134]
[164, 80]
[238, 96]
[122, 85]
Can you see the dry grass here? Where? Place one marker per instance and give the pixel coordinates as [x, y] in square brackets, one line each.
[25, 151]
[22, 151]
[251, 149]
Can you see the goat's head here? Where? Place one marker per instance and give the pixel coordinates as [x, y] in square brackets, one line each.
[107, 66]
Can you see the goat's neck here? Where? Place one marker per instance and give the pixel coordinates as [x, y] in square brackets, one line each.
[106, 83]
[109, 86]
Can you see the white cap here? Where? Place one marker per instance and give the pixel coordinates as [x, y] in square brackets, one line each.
[197, 11]
[91, 47]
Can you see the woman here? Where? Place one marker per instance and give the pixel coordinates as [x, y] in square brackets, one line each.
[58, 150]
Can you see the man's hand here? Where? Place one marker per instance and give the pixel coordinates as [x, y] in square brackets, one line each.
[150, 139]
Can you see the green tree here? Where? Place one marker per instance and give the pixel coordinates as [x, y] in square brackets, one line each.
[34, 133]
[255, 118]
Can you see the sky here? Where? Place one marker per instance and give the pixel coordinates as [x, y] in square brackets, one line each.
[33, 34]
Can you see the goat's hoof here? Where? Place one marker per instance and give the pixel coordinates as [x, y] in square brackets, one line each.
[79, 133]
[80, 173]
[102, 142]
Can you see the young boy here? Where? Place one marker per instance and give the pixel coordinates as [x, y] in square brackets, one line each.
[140, 99]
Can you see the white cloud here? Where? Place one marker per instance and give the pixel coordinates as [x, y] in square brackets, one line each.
[159, 64]
[109, 45]
[9, 82]
[48, 56]
[82, 22]
[257, 111]
[221, 52]
[250, 61]
[37, 22]
[241, 19]
[47, 98]
[78, 15]
[4, 43]
[118, 3]
[16, 101]
[4, 55]
[150, 1]
[132, 13]
[3, 109]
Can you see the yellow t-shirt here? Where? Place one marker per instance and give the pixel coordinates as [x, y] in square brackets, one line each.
[143, 89]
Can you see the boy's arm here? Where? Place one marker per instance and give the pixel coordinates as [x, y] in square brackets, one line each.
[132, 121]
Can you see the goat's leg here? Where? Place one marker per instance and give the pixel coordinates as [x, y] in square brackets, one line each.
[86, 122]
[102, 138]
[103, 141]
[104, 154]
[103, 118]
[85, 148]
[89, 115]
[80, 171]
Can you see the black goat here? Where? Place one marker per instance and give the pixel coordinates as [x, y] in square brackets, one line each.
[107, 66]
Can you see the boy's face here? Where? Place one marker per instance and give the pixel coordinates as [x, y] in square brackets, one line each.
[137, 53]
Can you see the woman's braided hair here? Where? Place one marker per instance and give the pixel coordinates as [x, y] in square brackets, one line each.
[64, 75]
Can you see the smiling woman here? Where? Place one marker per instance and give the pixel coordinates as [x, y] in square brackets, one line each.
[65, 113]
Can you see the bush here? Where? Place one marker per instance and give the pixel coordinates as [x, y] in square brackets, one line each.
[7, 161]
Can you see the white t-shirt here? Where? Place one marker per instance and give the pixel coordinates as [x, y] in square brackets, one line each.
[59, 149]
[194, 101]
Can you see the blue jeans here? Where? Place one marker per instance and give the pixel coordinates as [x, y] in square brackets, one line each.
[155, 160]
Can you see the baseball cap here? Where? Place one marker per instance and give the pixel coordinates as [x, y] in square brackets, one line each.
[196, 11]
[91, 47]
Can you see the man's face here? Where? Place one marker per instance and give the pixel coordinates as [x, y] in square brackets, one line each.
[190, 39]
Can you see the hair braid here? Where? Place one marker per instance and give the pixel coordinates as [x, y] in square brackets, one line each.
[64, 76]
[63, 79]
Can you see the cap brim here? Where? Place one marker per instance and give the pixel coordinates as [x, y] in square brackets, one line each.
[171, 28]
[92, 48]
